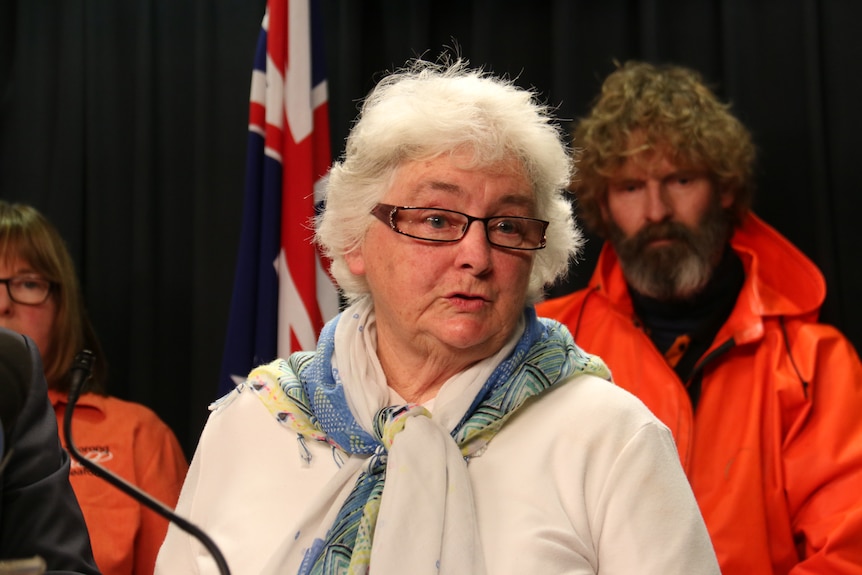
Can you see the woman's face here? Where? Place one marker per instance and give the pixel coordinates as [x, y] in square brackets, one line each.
[34, 321]
[438, 299]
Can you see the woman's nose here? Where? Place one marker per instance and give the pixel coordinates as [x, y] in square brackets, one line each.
[474, 249]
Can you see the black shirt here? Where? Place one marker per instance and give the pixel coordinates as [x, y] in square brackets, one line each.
[683, 330]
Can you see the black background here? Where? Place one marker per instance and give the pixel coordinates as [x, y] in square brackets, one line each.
[125, 123]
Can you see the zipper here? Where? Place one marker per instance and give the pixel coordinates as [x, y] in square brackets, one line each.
[696, 378]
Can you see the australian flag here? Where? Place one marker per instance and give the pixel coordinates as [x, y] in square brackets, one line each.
[282, 293]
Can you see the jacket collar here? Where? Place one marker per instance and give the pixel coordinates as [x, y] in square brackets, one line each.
[780, 281]
[86, 400]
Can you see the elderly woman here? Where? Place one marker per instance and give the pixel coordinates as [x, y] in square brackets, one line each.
[440, 426]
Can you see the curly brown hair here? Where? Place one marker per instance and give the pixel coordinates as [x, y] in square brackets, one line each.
[665, 107]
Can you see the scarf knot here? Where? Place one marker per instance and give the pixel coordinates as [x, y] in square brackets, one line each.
[390, 421]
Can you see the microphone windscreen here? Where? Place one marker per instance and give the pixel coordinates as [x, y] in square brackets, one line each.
[15, 371]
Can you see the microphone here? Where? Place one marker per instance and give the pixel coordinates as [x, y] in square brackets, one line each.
[15, 371]
[80, 373]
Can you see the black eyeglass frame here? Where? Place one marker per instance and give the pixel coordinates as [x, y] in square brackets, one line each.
[386, 214]
[12, 297]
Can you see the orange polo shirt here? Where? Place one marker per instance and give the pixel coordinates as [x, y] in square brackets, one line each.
[130, 440]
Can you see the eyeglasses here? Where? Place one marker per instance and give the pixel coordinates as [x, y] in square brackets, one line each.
[439, 225]
[27, 290]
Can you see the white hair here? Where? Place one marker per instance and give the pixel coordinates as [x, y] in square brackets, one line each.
[427, 110]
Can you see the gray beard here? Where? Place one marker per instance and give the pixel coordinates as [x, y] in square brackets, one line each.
[680, 269]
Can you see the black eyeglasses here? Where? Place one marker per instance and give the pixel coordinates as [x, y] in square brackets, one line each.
[439, 225]
[27, 290]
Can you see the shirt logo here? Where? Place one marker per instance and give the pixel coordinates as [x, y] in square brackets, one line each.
[98, 454]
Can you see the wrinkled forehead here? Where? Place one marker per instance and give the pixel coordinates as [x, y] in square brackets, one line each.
[473, 157]
[452, 172]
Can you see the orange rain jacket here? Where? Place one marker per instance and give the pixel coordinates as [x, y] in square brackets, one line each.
[774, 452]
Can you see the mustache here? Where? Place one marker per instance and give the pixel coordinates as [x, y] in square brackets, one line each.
[661, 231]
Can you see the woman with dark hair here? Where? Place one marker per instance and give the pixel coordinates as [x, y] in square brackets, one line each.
[43, 300]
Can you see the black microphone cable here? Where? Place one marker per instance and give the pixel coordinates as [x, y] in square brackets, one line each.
[81, 369]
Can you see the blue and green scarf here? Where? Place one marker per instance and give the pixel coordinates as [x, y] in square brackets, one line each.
[310, 399]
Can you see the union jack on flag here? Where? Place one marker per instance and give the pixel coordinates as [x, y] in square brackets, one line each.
[282, 294]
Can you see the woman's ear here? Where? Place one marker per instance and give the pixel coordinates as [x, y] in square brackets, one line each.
[355, 261]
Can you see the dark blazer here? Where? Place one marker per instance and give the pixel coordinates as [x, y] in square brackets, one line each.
[39, 514]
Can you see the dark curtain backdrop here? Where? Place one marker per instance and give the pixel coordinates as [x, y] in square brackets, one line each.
[125, 122]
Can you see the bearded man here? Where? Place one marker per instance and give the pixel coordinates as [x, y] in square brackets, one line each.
[709, 315]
